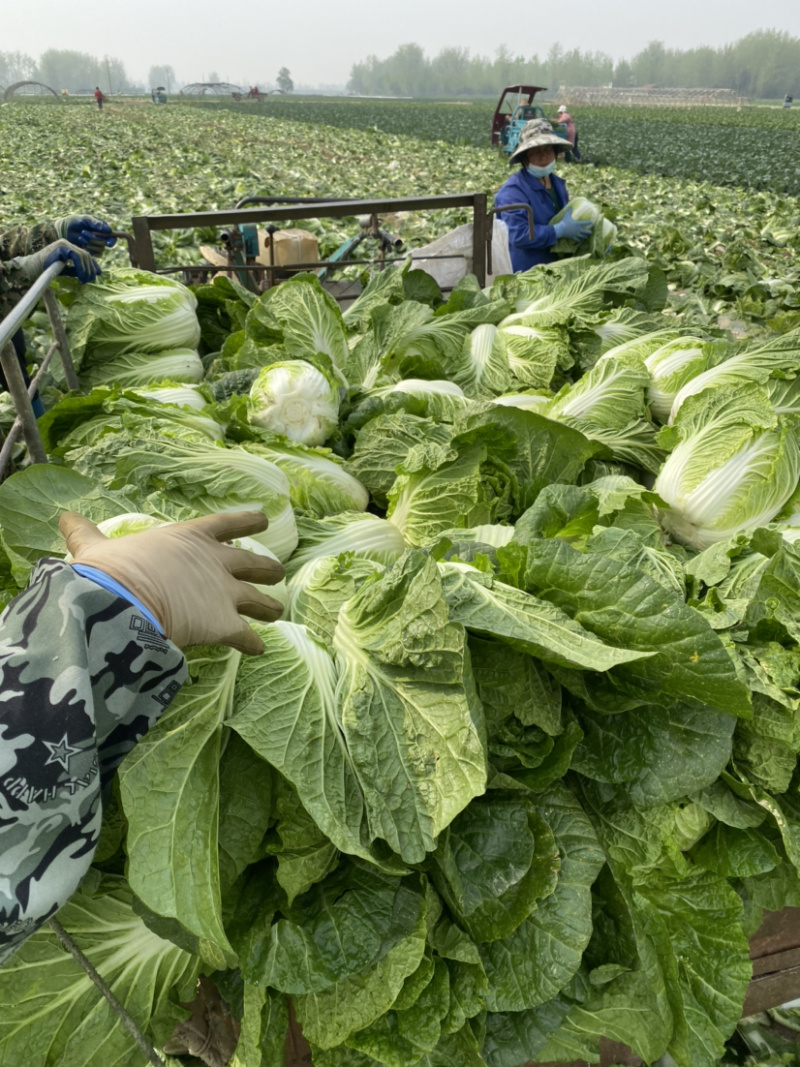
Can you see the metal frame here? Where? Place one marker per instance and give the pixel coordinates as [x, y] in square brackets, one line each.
[20, 393]
[144, 225]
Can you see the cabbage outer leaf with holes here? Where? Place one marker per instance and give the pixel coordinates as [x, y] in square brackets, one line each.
[406, 714]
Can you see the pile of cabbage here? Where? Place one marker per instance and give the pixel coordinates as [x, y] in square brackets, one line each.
[518, 770]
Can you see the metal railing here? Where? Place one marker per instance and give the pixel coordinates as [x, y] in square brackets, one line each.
[20, 393]
[144, 225]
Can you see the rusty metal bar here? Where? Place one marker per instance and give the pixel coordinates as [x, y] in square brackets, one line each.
[143, 244]
[60, 335]
[479, 237]
[13, 433]
[143, 225]
[22, 402]
[332, 210]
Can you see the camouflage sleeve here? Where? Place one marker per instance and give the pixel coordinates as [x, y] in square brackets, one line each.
[20, 241]
[84, 677]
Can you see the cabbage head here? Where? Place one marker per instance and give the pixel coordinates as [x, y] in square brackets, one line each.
[603, 235]
[128, 310]
[734, 465]
[297, 400]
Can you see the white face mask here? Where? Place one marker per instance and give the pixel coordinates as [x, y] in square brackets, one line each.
[541, 172]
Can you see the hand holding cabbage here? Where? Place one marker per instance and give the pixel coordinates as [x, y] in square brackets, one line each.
[596, 237]
[194, 586]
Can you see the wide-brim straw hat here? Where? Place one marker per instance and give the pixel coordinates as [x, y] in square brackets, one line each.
[535, 134]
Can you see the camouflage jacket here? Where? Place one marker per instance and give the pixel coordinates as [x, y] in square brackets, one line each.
[21, 241]
[84, 677]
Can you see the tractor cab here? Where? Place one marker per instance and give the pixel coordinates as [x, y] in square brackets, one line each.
[514, 108]
[158, 95]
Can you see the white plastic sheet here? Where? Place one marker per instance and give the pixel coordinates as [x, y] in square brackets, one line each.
[458, 243]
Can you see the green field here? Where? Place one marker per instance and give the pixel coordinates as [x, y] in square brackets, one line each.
[754, 148]
[723, 248]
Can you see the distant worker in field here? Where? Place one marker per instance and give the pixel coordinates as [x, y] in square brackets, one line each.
[572, 134]
[536, 184]
[27, 251]
[98, 95]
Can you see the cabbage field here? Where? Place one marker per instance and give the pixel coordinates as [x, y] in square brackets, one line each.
[518, 770]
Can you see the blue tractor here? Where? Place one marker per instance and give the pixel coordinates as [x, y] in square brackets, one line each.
[514, 108]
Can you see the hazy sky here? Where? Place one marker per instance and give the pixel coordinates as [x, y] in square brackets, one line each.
[319, 40]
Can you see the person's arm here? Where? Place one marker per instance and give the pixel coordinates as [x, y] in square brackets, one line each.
[14, 243]
[87, 666]
[26, 251]
[544, 235]
[84, 676]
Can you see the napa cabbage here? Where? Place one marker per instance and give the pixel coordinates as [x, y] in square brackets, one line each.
[318, 480]
[483, 368]
[608, 405]
[183, 395]
[671, 366]
[526, 401]
[734, 465]
[296, 399]
[602, 237]
[303, 318]
[365, 536]
[128, 310]
[778, 357]
[203, 477]
[136, 368]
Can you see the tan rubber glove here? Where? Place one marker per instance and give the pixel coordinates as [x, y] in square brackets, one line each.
[194, 585]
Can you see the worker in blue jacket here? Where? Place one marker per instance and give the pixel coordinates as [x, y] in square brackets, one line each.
[536, 184]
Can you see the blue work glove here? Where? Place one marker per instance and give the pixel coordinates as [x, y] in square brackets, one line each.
[571, 228]
[79, 262]
[86, 231]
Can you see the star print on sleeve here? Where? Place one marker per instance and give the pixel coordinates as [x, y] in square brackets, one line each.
[61, 752]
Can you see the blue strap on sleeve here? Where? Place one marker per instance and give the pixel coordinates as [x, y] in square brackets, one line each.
[113, 586]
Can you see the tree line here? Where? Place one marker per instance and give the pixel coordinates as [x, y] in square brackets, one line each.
[77, 71]
[763, 65]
